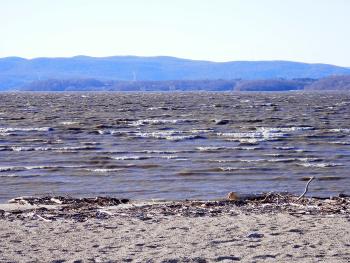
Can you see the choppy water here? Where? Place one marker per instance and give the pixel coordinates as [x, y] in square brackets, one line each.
[173, 145]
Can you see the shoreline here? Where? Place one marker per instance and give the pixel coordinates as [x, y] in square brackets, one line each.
[60, 207]
[274, 228]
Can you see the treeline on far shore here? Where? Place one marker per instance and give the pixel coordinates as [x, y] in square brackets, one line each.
[87, 84]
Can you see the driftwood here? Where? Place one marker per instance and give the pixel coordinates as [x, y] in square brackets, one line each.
[306, 188]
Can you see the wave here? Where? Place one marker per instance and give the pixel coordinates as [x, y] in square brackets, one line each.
[23, 168]
[104, 170]
[340, 143]
[54, 149]
[291, 129]
[202, 131]
[286, 148]
[172, 157]
[26, 129]
[228, 169]
[128, 158]
[168, 135]
[247, 148]
[161, 151]
[20, 175]
[273, 160]
[165, 135]
[159, 122]
[69, 122]
[211, 148]
[115, 132]
[341, 130]
[263, 133]
[319, 165]
[158, 108]
[249, 141]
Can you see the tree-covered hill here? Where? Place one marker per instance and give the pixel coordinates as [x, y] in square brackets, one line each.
[16, 72]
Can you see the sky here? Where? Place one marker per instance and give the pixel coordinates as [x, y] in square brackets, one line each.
[313, 31]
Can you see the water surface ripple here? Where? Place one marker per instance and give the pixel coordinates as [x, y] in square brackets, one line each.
[173, 145]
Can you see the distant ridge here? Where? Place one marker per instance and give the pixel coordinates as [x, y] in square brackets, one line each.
[331, 83]
[16, 72]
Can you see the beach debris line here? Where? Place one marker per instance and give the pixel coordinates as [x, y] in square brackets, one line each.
[233, 196]
[62, 200]
[81, 209]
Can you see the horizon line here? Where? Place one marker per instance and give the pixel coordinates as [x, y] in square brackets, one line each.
[174, 57]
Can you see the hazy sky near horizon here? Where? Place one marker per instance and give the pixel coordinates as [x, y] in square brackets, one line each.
[315, 31]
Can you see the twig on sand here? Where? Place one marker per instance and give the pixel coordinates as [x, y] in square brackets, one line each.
[306, 188]
[42, 218]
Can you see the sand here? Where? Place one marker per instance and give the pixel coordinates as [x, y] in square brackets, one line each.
[237, 235]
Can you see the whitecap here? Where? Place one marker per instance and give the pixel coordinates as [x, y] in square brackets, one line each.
[340, 143]
[263, 134]
[18, 175]
[282, 160]
[125, 158]
[202, 130]
[227, 169]
[319, 165]
[26, 129]
[10, 168]
[249, 141]
[23, 168]
[157, 108]
[56, 149]
[167, 135]
[172, 157]
[210, 148]
[247, 148]
[251, 160]
[160, 151]
[182, 138]
[284, 148]
[76, 148]
[69, 122]
[104, 170]
[309, 159]
[26, 149]
[159, 122]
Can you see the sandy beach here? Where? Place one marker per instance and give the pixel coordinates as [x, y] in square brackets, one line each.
[176, 232]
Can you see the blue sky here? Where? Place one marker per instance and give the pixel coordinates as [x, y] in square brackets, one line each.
[316, 31]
